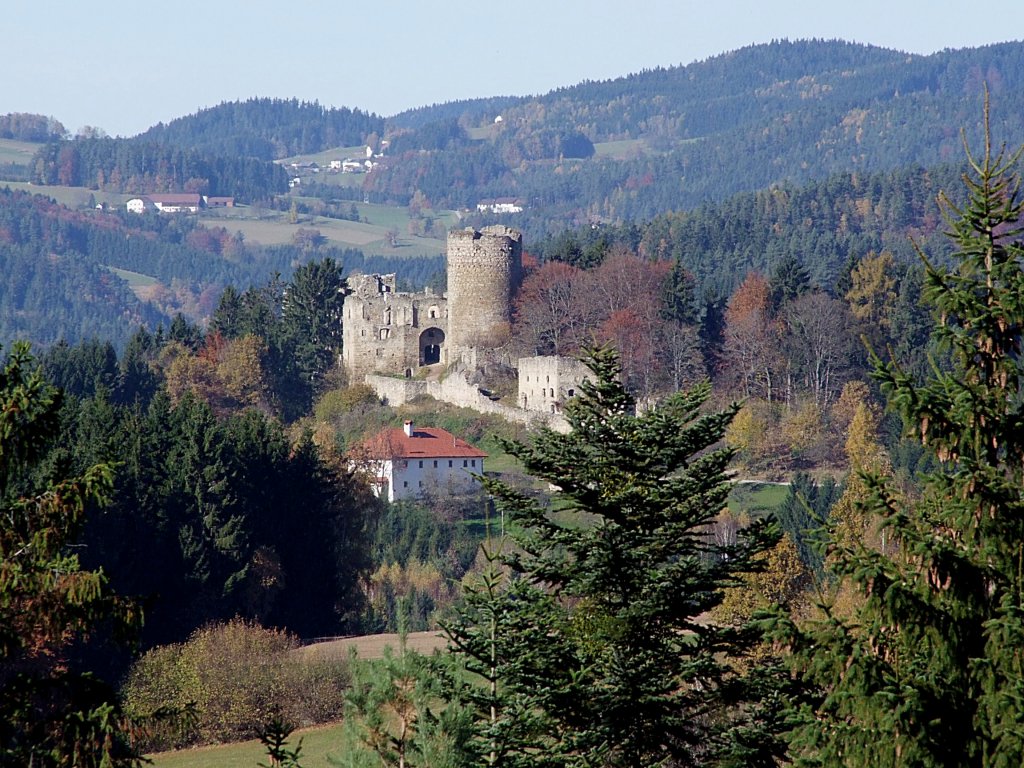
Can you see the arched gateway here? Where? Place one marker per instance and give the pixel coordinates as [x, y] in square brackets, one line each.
[431, 343]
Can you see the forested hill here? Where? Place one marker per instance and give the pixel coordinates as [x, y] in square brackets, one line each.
[670, 139]
[61, 269]
[268, 129]
[225, 150]
[825, 226]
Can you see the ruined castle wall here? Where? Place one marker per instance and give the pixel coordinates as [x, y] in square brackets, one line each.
[457, 391]
[384, 330]
[547, 382]
[484, 270]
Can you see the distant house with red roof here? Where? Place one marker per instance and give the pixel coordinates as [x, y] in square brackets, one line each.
[403, 463]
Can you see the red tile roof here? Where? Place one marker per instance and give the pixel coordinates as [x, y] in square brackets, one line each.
[426, 442]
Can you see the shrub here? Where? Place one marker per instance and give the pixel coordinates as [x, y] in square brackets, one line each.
[236, 679]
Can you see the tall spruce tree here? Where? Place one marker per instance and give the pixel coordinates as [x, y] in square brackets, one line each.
[599, 652]
[927, 670]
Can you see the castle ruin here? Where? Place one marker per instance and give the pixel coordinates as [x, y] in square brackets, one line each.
[387, 331]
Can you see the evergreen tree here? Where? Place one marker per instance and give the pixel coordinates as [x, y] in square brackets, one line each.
[679, 297]
[611, 652]
[927, 671]
[51, 713]
[790, 279]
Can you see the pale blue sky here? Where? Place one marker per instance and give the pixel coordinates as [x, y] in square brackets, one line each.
[124, 66]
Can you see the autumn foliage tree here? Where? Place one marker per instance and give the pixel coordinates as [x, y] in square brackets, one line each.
[752, 339]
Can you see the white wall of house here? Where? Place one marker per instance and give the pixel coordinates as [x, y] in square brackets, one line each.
[408, 478]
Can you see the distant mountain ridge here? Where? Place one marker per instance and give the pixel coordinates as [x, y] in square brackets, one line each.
[745, 120]
[267, 129]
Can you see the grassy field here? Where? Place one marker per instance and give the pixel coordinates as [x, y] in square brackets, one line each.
[323, 159]
[140, 284]
[72, 197]
[317, 744]
[620, 150]
[17, 152]
[371, 646]
[754, 498]
[370, 234]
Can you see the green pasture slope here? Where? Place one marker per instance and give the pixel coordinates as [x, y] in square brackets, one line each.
[268, 227]
[17, 152]
[756, 498]
[317, 744]
[72, 197]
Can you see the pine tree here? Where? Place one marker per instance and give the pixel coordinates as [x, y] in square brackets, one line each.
[613, 579]
[928, 672]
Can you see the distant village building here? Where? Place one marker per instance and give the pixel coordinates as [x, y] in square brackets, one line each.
[547, 382]
[335, 165]
[219, 202]
[405, 463]
[500, 205]
[185, 202]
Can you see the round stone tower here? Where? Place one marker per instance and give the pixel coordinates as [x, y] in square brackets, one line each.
[484, 270]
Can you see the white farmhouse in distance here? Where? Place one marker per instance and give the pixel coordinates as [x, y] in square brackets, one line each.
[404, 463]
[500, 205]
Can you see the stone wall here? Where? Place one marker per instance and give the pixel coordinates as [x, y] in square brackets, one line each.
[456, 390]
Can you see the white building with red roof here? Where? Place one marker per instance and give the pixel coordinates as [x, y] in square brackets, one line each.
[404, 463]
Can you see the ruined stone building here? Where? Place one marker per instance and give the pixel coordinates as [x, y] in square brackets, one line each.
[392, 332]
[547, 382]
